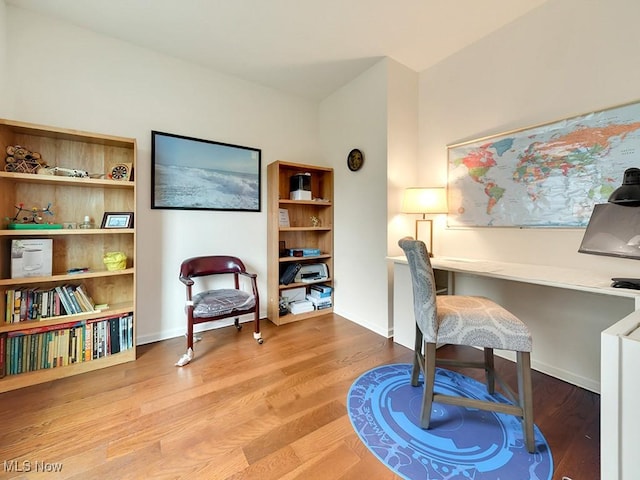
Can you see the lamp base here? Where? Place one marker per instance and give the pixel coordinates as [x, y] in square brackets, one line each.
[424, 232]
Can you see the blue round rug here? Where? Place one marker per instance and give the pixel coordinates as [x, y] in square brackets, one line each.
[461, 443]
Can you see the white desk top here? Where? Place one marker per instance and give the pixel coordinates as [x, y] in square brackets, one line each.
[559, 277]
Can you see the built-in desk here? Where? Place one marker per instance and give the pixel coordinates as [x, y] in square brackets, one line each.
[558, 305]
[610, 347]
[557, 277]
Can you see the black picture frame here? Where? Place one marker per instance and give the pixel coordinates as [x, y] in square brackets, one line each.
[190, 173]
[117, 220]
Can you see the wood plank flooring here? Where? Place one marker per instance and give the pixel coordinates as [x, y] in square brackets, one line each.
[244, 411]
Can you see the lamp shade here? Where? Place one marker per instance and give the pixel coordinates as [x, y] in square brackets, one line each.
[425, 200]
[629, 192]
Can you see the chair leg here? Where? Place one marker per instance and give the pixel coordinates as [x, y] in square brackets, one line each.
[417, 357]
[189, 355]
[189, 333]
[489, 370]
[525, 393]
[256, 328]
[429, 382]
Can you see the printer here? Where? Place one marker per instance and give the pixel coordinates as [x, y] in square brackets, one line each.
[312, 272]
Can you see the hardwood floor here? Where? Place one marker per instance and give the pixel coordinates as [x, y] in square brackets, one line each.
[244, 411]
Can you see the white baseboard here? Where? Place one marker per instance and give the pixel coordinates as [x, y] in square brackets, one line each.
[180, 332]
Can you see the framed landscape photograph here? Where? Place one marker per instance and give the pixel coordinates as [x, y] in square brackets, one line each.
[194, 174]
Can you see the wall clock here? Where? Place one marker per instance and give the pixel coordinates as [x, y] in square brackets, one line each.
[355, 159]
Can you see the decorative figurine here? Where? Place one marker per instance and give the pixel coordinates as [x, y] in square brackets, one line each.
[36, 214]
[21, 160]
[315, 221]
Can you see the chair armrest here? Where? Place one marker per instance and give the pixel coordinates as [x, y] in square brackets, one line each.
[187, 281]
[254, 283]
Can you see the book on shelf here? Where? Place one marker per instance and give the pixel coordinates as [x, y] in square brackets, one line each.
[114, 335]
[317, 294]
[320, 303]
[8, 309]
[3, 354]
[86, 302]
[69, 290]
[320, 287]
[304, 252]
[64, 300]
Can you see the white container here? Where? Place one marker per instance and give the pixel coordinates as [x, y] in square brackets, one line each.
[31, 257]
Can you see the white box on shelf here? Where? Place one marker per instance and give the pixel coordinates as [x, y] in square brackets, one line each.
[300, 195]
[31, 257]
[294, 294]
[301, 306]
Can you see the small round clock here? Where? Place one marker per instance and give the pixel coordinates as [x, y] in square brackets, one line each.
[355, 159]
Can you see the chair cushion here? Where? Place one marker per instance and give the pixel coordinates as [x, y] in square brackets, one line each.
[480, 322]
[213, 303]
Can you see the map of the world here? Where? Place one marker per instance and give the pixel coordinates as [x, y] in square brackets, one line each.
[546, 176]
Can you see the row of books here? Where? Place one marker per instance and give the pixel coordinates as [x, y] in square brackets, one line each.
[65, 344]
[24, 304]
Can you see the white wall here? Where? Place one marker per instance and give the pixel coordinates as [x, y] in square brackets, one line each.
[402, 165]
[73, 78]
[355, 117]
[565, 58]
[402, 151]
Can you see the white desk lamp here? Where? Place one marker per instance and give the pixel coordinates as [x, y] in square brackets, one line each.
[425, 200]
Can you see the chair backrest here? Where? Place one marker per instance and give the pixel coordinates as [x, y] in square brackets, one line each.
[210, 265]
[424, 287]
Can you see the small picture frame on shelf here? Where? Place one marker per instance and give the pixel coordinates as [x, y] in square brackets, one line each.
[283, 218]
[117, 220]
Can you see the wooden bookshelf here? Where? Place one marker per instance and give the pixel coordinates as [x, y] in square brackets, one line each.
[301, 232]
[71, 198]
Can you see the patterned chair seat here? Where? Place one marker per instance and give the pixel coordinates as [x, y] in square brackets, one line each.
[478, 321]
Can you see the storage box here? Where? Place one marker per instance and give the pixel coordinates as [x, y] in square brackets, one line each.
[294, 294]
[31, 257]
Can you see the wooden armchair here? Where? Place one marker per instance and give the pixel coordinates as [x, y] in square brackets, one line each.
[219, 303]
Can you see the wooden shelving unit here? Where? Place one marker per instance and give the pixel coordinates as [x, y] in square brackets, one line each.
[301, 233]
[71, 200]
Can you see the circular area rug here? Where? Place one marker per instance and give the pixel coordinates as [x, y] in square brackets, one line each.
[461, 443]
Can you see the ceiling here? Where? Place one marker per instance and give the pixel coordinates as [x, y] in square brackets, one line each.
[308, 48]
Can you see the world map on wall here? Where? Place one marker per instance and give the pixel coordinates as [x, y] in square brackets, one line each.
[545, 176]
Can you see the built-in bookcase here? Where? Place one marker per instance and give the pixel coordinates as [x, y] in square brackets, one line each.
[110, 327]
